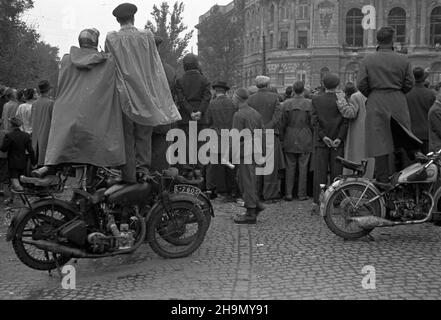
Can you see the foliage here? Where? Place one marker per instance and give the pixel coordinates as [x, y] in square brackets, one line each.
[24, 59]
[221, 46]
[170, 27]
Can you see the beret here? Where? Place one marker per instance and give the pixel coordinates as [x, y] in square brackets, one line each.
[331, 81]
[242, 93]
[262, 81]
[125, 10]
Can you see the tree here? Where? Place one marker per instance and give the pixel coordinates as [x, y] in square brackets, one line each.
[170, 27]
[24, 59]
[221, 46]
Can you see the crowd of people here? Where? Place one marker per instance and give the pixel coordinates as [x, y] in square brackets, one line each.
[115, 108]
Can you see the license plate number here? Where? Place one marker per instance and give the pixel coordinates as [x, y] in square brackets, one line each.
[188, 190]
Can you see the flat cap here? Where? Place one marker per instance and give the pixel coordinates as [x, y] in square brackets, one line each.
[242, 94]
[125, 10]
[262, 81]
[331, 81]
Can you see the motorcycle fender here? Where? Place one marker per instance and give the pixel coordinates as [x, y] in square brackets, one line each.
[210, 205]
[18, 217]
[339, 184]
[175, 198]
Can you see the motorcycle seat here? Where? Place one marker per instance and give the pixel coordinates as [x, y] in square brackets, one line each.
[49, 181]
[358, 167]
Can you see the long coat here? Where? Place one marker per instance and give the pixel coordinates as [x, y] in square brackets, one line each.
[297, 125]
[16, 144]
[435, 127]
[41, 126]
[267, 104]
[141, 80]
[193, 95]
[87, 125]
[355, 146]
[385, 77]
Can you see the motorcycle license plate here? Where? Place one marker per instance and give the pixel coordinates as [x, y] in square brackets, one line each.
[185, 189]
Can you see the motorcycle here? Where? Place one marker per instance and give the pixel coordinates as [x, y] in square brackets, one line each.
[353, 206]
[106, 219]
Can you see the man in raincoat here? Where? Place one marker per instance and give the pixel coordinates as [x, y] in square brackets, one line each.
[87, 126]
[145, 96]
[385, 77]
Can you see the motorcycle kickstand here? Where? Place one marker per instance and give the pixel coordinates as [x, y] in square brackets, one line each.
[60, 274]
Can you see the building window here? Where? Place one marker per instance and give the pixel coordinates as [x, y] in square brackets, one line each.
[283, 40]
[272, 13]
[397, 20]
[303, 10]
[302, 39]
[435, 26]
[301, 76]
[271, 41]
[280, 77]
[284, 13]
[354, 28]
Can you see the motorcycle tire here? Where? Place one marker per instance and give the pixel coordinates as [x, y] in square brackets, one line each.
[20, 248]
[192, 243]
[339, 231]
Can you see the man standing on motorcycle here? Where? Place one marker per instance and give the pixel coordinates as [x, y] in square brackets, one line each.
[145, 95]
[385, 77]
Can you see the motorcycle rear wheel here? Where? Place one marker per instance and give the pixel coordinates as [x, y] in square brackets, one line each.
[163, 231]
[39, 223]
[342, 203]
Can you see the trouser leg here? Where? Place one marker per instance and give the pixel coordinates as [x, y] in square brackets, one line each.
[290, 173]
[320, 171]
[129, 169]
[382, 169]
[246, 178]
[143, 145]
[303, 174]
[336, 168]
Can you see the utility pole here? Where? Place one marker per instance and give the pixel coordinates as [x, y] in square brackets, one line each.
[264, 69]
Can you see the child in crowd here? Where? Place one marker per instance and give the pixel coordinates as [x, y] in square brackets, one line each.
[16, 143]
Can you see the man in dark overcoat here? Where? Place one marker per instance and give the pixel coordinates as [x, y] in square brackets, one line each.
[420, 99]
[385, 77]
[221, 178]
[193, 96]
[267, 103]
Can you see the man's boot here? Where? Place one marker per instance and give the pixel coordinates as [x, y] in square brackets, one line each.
[249, 218]
[260, 208]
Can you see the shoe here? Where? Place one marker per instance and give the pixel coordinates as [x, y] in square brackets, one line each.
[260, 208]
[249, 218]
[289, 198]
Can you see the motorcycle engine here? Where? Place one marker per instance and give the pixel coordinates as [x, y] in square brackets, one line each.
[408, 204]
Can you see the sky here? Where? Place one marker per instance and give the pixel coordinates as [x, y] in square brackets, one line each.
[60, 21]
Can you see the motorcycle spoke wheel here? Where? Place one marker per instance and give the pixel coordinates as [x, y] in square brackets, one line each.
[179, 233]
[347, 203]
[41, 224]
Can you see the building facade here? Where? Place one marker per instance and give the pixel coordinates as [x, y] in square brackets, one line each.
[293, 40]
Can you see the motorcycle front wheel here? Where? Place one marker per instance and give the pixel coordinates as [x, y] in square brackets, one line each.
[179, 233]
[40, 224]
[349, 202]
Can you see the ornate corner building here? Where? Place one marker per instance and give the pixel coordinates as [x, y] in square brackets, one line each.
[293, 40]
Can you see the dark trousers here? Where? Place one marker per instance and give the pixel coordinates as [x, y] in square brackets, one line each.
[294, 160]
[246, 179]
[222, 179]
[324, 163]
[383, 168]
[138, 145]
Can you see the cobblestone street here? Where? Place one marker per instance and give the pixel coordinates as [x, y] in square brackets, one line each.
[290, 254]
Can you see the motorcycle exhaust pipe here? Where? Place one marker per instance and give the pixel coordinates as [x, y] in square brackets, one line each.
[57, 248]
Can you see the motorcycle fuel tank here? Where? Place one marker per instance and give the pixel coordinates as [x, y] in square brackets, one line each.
[133, 194]
[417, 174]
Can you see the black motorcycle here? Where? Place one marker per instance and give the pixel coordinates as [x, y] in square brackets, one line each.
[106, 219]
